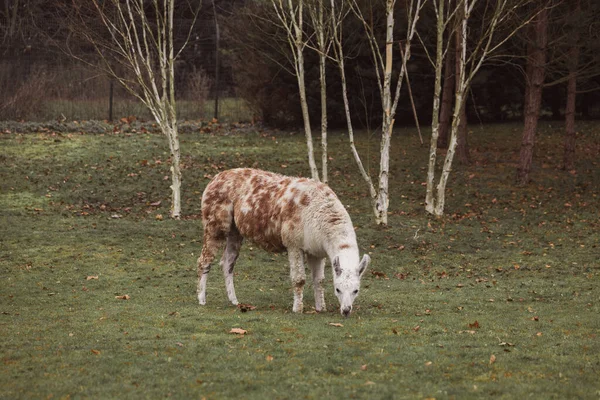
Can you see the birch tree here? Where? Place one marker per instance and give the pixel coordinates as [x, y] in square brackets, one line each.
[319, 15]
[496, 14]
[383, 63]
[290, 14]
[137, 50]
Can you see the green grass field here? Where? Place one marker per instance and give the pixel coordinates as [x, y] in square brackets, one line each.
[498, 299]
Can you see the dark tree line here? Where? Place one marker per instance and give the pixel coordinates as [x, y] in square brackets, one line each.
[257, 56]
[253, 51]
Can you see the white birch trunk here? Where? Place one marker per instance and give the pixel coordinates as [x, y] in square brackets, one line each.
[461, 88]
[323, 82]
[140, 45]
[339, 58]
[317, 15]
[435, 123]
[291, 17]
[502, 11]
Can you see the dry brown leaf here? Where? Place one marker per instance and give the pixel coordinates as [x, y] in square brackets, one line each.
[238, 331]
[492, 359]
[474, 325]
[124, 297]
[89, 278]
[363, 367]
[95, 352]
[246, 307]
[269, 358]
[336, 324]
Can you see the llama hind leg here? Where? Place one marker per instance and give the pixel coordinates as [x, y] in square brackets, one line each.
[230, 255]
[317, 266]
[210, 246]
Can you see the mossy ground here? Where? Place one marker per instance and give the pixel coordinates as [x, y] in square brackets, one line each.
[499, 298]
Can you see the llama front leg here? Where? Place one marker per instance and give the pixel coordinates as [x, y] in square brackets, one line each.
[230, 255]
[317, 266]
[298, 276]
[210, 247]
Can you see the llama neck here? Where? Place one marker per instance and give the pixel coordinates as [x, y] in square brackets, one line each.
[344, 247]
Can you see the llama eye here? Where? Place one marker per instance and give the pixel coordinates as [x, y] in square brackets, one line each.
[355, 292]
[338, 291]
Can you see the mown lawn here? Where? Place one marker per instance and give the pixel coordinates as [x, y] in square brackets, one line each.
[500, 298]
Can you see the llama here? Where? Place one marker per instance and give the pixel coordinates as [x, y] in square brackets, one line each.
[280, 213]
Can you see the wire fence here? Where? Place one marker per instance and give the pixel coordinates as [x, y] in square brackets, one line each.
[43, 84]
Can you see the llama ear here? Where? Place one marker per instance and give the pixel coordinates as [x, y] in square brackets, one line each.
[336, 266]
[364, 263]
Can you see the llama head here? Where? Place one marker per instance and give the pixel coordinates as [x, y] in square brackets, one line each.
[346, 280]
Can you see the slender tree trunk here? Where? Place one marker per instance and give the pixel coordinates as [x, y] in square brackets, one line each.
[570, 136]
[339, 57]
[171, 112]
[299, 46]
[447, 98]
[323, 81]
[173, 137]
[435, 123]
[217, 83]
[462, 147]
[305, 116]
[535, 79]
[447, 168]
[461, 90]
[382, 203]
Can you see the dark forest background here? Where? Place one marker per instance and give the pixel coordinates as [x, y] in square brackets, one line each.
[41, 79]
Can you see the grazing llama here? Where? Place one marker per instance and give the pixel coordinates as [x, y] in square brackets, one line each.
[281, 213]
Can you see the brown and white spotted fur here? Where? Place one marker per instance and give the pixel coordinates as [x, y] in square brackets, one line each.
[281, 213]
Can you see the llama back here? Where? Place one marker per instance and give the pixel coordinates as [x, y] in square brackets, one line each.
[272, 210]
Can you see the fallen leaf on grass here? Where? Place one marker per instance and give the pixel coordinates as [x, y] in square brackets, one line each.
[336, 324]
[474, 325]
[492, 359]
[469, 332]
[238, 331]
[269, 358]
[95, 352]
[124, 297]
[89, 278]
[428, 363]
[378, 274]
[246, 307]
[363, 367]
